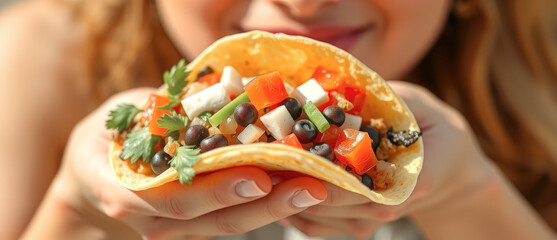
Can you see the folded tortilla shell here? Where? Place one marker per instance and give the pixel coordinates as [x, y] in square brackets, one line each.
[255, 53]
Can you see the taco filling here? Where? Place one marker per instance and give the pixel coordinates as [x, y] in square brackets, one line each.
[221, 107]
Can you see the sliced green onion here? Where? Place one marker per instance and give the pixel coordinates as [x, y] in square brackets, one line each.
[316, 117]
[227, 110]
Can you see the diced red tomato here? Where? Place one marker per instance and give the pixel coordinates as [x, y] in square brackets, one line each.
[266, 90]
[353, 148]
[150, 107]
[356, 96]
[328, 79]
[290, 140]
[329, 136]
[177, 108]
[152, 113]
[210, 79]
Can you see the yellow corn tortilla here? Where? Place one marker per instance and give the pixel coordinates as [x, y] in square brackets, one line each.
[255, 53]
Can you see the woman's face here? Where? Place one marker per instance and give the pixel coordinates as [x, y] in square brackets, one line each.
[390, 36]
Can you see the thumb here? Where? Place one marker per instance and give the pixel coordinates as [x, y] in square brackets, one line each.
[428, 110]
[94, 123]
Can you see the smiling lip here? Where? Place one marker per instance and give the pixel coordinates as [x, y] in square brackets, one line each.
[342, 37]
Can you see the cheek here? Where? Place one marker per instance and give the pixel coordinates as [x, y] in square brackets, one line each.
[408, 30]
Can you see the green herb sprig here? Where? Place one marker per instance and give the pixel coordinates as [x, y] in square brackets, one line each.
[140, 144]
[173, 123]
[175, 80]
[183, 162]
[122, 117]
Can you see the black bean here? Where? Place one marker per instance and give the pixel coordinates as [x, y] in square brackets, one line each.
[212, 142]
[305, 131]
[374, 135]
[195, 134]
[245, 114]
[366, 180]
[334, 114]
[324, 150]
[160, 162]
[404, 138]
[293, 106]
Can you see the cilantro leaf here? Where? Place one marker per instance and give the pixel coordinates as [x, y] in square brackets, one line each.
[205, 116]
[183, 161]
[175, 78]
[174, 100]
[140, 144]
[173, 123]
[122, 117]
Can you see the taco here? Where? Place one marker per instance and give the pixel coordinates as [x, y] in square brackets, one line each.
[279, 102]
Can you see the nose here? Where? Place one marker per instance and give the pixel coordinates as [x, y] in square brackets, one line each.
[303, 8]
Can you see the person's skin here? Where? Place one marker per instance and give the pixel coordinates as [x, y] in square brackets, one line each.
[457, 181]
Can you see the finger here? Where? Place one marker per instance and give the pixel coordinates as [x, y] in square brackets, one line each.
[136, 96]
[106, 192]
[94, 123]
[313, 229]
[427, 109]
[361, 211]
[327, 227]
[287, 198]
[208, 193]
[338, 196]
[436, 119]
[370, 211]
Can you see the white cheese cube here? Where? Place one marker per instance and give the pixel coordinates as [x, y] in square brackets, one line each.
[351, 121]
[278, 122]
[250, 134]
[228, 126]
[210, 99]
[311, 91]
[231, 80]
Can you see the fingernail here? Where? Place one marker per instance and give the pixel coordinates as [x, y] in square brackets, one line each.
[303, 199]
[248, 188]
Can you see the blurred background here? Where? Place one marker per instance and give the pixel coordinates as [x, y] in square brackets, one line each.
[6, 2]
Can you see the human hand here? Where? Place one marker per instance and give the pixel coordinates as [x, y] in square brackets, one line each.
[230, 201]
[453, 165]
